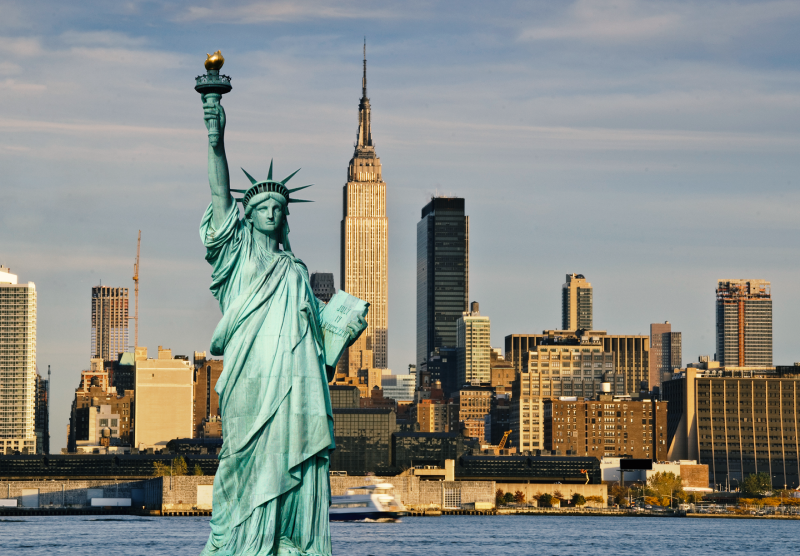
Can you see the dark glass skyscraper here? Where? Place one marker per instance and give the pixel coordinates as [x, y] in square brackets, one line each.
[442, 274]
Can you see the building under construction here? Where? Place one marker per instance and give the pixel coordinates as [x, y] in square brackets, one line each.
[744, 323]
[109, 322]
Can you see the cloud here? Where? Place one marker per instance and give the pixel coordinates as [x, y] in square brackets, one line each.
[264, 12]
[627, 21]
[102, 38]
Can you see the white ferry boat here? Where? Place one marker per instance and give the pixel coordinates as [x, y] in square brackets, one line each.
[368, 502]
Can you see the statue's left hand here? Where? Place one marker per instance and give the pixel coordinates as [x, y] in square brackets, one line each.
[356, 328]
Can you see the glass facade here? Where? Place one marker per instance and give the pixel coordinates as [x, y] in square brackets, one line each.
[536, 469]
[410, 449]
[442, 275]
[345, 397]
[363, 440]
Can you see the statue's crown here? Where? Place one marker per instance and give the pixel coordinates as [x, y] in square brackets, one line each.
[269, 186]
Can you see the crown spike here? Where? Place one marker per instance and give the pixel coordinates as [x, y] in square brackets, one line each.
[290, 176]
[269, 176]
[299, 201]
[253, 181]
[299, 188]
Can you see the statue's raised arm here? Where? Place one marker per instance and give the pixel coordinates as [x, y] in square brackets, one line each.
[218, 175]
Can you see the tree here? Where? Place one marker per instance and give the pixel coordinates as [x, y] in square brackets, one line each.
[620, 494]
[498, 497]
[578, 499]
[694, 497]
[557, 494]
[198, 470]
[757, 484]
[508, 498]
[595, 499]
[519, 497]
[666, 485]
[177, 466]
[544, 500]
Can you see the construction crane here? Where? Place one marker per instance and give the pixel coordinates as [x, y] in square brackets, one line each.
[136, 292]
[502, 443]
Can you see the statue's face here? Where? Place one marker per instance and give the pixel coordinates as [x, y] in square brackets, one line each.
[267, 217]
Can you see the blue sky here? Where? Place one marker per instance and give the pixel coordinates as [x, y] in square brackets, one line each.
[651, 146]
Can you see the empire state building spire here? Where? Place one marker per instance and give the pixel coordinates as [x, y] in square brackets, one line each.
[364, 132]
[364, 246]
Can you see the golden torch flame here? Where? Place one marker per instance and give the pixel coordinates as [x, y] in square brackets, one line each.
[214, 61]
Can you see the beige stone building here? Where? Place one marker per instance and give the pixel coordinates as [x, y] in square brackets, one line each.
[17, 365]
[631, 352]
[164, 393]
[474, 347]
[364, 243]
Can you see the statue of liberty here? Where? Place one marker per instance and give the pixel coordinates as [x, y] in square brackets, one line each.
[272, 489]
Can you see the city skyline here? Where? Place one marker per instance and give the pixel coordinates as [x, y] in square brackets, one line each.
[643, 148]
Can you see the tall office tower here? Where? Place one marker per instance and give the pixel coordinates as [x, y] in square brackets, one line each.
[42, 427]
[17, 365]
[665, 352]
[365, 246]
[474, 348]
[442, 274]
[744, 323]
[576, 303]
[322, 285]
[109, 322]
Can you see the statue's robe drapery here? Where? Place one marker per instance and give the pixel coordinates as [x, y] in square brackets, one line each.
[271, 491]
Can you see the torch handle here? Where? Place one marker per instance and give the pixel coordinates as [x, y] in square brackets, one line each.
[213, 125]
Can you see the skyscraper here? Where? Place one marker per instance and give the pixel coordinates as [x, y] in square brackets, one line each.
[576, 303]
[109, 322]
[364, 248]
[18, 384]
[322, 285]
[665, 352]
[744, 323]
[42, 425]
[474, 347]
[442, 274]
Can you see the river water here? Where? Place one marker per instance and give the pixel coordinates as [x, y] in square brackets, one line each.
[446, 536]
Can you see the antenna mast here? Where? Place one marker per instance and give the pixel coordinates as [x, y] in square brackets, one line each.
[136, 292]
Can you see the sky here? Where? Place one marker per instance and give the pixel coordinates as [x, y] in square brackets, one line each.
[651, 146]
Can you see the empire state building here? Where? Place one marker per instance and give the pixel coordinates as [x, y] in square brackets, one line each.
[365, 247]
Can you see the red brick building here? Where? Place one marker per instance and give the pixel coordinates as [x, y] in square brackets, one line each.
[607, 426]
